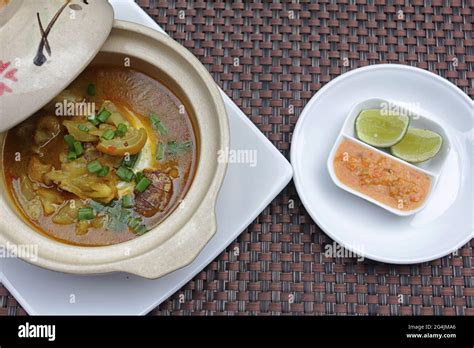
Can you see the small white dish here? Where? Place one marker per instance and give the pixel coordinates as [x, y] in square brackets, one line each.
[432, 167]
[445, 224]
[43, 292]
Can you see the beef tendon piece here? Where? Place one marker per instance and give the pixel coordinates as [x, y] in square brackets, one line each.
[47, 128]
[37, 169]
[157, 196]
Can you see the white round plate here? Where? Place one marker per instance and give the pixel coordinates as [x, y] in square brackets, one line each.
[445, 224]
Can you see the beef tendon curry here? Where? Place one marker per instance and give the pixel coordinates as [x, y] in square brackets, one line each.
[106, 161]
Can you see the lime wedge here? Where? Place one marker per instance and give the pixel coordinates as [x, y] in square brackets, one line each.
[418, 145]
[377, 129]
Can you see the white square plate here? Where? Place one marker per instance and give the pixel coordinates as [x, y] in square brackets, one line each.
[247, 190]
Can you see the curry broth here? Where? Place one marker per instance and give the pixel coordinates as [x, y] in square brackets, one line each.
[127, 88]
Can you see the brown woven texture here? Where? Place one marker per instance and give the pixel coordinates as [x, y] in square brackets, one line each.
[286, 52]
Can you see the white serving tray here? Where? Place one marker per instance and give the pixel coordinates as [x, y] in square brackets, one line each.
[247, 190]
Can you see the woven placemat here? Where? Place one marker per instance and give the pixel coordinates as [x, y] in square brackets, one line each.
[270, 58]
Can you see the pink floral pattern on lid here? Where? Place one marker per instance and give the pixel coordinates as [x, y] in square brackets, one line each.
[7, 74]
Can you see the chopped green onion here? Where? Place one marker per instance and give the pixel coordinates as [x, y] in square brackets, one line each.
[129, 160]
[94, 166]
[85, 214]
[83, 128]
[154, 118]
[71, 156]
[160, 151]
[125, 215]
[69, 139]
[109, 134]
[104, 115]
[104, 171]
[92, 119]
[121, 129]
[142, 229]
[96, 206]
[78, 148]
[139, 176]
[125, 174]
[158, 124]
[143, 184]
[134, 223]
[174, 147]
[127, 201]
[116, 216]
[91, 89]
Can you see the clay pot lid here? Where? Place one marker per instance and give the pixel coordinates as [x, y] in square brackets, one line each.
[45, 46]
